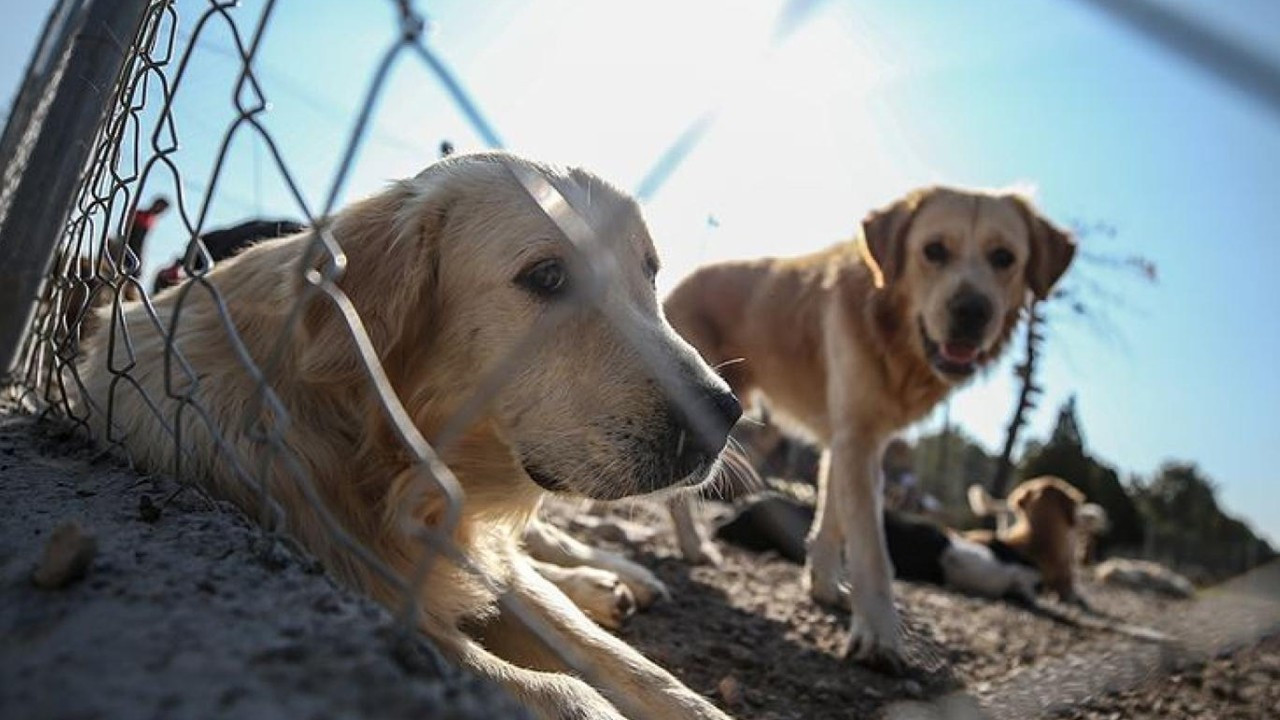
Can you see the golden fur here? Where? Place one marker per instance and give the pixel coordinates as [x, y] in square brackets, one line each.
[1045, 530]
[434, 267]
[853, 343]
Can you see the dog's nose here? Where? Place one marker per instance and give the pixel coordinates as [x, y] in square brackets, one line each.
[717, 411]
[970, 313]
[703, 435]
[727, 405]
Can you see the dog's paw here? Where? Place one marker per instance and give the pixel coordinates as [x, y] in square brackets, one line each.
[602, 595]
[827, 589]
[644, 585]
[877, 650]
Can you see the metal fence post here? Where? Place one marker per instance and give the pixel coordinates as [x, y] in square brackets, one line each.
[37, 82]
[39, 205]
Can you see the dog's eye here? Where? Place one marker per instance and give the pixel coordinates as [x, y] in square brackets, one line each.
[936, 252]
[1000, 258]
[545, 278]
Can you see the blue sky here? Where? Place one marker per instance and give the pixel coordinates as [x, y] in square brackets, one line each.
[862, 102]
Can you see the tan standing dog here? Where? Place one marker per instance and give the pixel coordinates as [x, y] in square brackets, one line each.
[856, 342]
[448, 271]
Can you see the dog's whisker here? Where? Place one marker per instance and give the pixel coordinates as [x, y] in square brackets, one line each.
[732, 361]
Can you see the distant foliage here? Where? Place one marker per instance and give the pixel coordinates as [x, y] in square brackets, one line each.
[1064, 455]
[1187, 528]
[1173, 517]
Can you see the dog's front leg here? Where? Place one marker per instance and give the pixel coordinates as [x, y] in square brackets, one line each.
[635, 685]
[695, 546]
[550, 544]
[548, 695]
[874, 626]
[824, 566]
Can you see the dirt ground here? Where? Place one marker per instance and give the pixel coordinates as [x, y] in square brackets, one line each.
[1244, 685]
[183, 609]
[748, 635]
[184, 612]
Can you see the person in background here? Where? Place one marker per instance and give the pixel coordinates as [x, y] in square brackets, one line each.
[143, 220]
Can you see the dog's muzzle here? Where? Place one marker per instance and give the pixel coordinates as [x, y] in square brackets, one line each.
[700, 439]
[954, 359]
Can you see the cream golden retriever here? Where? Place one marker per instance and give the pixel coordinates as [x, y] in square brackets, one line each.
[451, 272]
[854, 343]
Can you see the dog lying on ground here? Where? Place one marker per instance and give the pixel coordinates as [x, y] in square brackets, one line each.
[854, 343]
[606, 586]
[1043, 520]
[1091, 521]
[448, 271]
[919, 550]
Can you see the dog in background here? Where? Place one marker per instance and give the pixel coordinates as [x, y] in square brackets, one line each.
[854, 343]
[920, 550]
[1091, 521]
[448, 271]
[1044, 520]
[222, 243]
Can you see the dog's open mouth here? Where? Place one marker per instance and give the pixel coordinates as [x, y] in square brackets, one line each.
[954, 358]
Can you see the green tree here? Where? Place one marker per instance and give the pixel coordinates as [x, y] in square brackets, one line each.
[1188, 529]
[1064, 455]
[946, 464]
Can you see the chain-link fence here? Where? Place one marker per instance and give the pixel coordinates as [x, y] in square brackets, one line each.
[94, 277]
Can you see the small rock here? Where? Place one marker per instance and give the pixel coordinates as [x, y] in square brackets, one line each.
[66, 557]
[730, 690]
[148, 511]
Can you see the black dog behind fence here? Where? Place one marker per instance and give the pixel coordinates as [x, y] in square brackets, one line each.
[94, 124]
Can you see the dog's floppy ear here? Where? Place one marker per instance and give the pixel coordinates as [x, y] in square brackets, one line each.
[390, 243]
[1022, 496]
[884, 234]
[1051, 250]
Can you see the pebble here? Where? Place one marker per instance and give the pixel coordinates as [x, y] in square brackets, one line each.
[66, 558]
[730, 690]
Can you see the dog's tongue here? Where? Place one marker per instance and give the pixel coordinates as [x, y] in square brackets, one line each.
[961, 353]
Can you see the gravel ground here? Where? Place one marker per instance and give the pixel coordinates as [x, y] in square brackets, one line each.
[748, 635]
[178, 608]
[1244, 685]
[183, 610]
